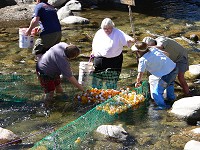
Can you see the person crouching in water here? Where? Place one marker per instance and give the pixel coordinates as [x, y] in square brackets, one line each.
[157, 63]
[54, 63]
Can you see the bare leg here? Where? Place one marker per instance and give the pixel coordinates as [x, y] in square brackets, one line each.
[48, 98]
[183, 83]
[59, 89]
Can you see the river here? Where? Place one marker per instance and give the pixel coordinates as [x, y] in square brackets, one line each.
[151, 129]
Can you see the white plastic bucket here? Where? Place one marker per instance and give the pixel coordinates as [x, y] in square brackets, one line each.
[153, 81]
[25, 41]
[85, 69]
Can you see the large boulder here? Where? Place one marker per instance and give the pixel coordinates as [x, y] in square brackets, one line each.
[57, 3]
[4, 3]
[187, 108]
[65, 11]
[192, 145]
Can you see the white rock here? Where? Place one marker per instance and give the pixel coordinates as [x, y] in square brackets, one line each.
[73, 5]
[194, 69]
[7, 136]
[196, 130]
[114, 131]
[186, 106]
[192, 145]
[74, 20]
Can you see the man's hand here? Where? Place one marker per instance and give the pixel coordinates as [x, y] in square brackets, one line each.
[137, 84]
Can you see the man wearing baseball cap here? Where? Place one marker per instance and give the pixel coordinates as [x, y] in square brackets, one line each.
[158, 64]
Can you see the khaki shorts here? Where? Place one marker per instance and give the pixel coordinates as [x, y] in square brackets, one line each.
[45, 42]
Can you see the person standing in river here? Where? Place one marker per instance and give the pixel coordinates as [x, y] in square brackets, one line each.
[160, 65]
[54, 63]
[107, 47]
[177, 53]
[45, 15]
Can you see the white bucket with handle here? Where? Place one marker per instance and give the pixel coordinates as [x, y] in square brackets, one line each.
[153, 81]
[25, 41]
[85, 69]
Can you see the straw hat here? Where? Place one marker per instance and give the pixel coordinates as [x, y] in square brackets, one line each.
[139, 46]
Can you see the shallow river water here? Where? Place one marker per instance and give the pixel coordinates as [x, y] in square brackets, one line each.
[151, 129]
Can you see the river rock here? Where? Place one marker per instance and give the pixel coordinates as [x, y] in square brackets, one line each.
[74, 20]
[194, 37]
[187, 108]
[65, 11]
[193, 72]
[57, 3]
[113, 131]
[8, 136]
[192, 145]
[180, 139]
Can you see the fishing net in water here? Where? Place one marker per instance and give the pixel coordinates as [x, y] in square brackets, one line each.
[109, 103]
[106, 111]
[20, 88]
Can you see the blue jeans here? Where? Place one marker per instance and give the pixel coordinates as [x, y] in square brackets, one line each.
[166, 82]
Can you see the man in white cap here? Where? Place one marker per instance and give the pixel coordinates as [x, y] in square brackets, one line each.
[158, 64]
[177, 54]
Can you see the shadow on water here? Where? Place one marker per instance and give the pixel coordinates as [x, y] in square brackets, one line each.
[177, 9]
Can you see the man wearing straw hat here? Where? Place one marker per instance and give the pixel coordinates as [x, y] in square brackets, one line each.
[158, 64]
[177, 53]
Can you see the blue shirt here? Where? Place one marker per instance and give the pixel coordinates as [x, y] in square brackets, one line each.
[49, 22]
[156, 62]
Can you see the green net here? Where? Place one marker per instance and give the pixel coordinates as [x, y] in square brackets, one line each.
[68, 136]
[20, 88]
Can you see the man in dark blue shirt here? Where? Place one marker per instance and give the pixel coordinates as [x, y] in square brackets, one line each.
[46, 16]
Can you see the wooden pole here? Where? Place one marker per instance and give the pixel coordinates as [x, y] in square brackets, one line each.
[133, 29]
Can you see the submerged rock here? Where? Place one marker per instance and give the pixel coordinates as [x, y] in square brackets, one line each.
[113, 131]
[7, 136]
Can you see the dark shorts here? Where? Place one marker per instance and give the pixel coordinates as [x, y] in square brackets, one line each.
[182, 64]
[45, 42]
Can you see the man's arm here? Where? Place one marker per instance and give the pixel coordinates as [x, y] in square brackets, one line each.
[139, 78]
[75, 83]
[34, 23]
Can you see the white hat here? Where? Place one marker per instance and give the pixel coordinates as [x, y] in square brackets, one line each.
[149, 40]
[139, 46]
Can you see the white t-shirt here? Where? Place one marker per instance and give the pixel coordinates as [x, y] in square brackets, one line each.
[156, 62]
[109, 45]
